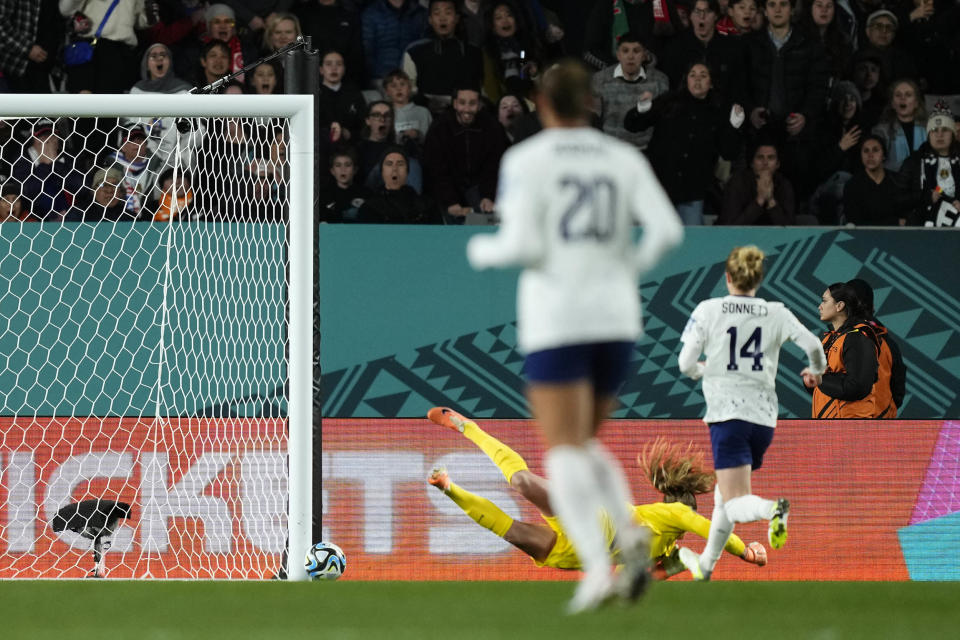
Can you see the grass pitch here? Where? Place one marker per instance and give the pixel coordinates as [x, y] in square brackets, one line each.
[472, 610]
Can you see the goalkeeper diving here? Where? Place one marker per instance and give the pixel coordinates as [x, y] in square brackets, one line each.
[675, 471]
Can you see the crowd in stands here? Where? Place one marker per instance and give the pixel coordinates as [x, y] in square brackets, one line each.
[751, 112]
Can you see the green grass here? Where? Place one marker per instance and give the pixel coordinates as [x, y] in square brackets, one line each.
[466, 610]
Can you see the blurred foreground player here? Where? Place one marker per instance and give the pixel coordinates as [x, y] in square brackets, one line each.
[676, 472]
[568, 198]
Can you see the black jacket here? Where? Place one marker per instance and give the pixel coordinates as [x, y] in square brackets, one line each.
[867, 203]
[804, 75]
[725, 57]
[688, 136]
[457, 157]
[859, 359]
[400, 206]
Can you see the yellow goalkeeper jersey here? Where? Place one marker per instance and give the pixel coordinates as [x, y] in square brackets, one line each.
[669, 521]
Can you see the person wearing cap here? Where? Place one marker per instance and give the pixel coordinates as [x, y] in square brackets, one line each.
[131, 159]
[881, 30]
[397, 202]
[103, 199]
[931, 176]
[49, 178]
[866, 76]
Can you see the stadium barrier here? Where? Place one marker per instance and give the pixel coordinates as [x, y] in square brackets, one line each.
[870, 501]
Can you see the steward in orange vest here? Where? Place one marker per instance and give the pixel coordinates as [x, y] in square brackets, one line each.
[891, 383]
[852, 353]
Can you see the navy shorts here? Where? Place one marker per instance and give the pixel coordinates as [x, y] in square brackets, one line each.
[738, 442]
[605, 364]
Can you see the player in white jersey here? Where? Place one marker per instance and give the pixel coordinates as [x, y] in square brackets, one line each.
[741, 336]
[569, 198]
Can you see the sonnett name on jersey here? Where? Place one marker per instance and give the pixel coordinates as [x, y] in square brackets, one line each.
[744, 307]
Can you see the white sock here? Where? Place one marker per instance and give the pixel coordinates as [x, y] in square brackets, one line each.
[720, 529]
[749, 508]
[614, 489]
[575, 498]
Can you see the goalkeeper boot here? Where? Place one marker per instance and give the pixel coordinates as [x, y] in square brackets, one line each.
[446, 417]
[691, 560]
[777, 533]
[439, 478]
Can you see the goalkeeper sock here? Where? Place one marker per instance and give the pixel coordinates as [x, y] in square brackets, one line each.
[749, 508]
[575, 498]
[720, 529]
[484, 513]
[506, 459]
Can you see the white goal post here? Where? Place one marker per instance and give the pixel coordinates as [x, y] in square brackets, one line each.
[205, 485]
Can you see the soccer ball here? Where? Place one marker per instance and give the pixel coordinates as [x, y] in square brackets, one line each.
[325, 561]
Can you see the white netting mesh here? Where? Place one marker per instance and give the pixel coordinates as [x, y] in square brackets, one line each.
[143, 334]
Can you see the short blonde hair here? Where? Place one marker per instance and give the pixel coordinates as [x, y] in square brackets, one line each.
[745, 266]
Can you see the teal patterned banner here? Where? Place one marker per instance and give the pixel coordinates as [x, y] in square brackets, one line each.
[406, 324]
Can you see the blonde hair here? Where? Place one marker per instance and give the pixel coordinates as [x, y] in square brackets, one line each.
[745, 266]
[676, 471]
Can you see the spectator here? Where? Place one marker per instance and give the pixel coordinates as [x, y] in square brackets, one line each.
[225, 157]
[389, 26]
[872, 197]
[411, 121]
[270, 177]
[759, 194]
[281, 29]
[866, 76]
[396, 202]
[819, 20]
[852, 348]
[461, 157]
[266, 79]
[838, 155]
[113, 66]
[332, 27]
[30, 33]
[690, 131]
[787, 87]
[617, 89]
[173, 204]
[724, 56]
[11, 205]
[902, 125]
[156, 72]
[609, 21]
[891, 385]
[512, 56]
[340, 101]
[515, 118]
[131, 157]
[48, 178]
[178, 25]
[341, 199]
[740, 19]
[221, 25]
[437, 63]
[103, 199]
[214, 62]
[881, 32]
[931, 176]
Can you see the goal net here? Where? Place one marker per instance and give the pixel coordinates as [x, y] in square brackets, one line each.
[155, 332]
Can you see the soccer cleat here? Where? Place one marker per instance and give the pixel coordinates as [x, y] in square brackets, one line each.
[691, 560]
[446, 417]
[777, 533]
[439, 478]
[593, 591]
[634, 578]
